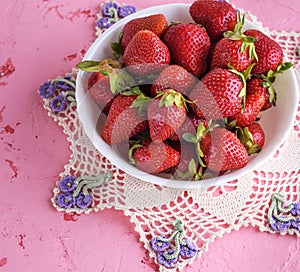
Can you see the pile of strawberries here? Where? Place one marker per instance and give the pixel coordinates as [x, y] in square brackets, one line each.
[186, 98]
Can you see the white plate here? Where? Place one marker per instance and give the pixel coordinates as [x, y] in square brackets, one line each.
[276, 122]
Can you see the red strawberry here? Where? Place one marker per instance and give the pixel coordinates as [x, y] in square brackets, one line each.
[264, 85]
[223, 151]
[256, 85]
[254, 103]
[229, 52]
[268, 51]
[216, 16]
[173, 77]
[154, 157]
[218, 95]
[123, 120]
[99, 85]
[257, 134]
[157, 23]
[146, 53]
[166, 113]
[189, 46]
[252, 137]
[100, 91]
[235, 49]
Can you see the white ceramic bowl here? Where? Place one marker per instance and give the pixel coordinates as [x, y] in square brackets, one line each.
[276, 122]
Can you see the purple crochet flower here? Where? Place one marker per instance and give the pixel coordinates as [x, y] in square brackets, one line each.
[280, 225]
[67, 184]
[296, 224]
[83, 201]
[188, 249]
[126, 10]
[159, 245]
[64, 86]
[65, 201]
[104, 23]
[165, 262]
[296, 209]
[109, 9]
[46, 90]
[58, 104]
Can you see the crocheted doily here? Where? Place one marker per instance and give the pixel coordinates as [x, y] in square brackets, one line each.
[205, 213]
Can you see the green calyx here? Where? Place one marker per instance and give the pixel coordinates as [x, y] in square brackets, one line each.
[117, 47]
[269, 79]
[169, 97]
[141, 102]
[268, 83]
[229, 125]
[193, 172]
[197, 139]
[237, 35]
[271, 75]
[119, 79]
[246, 138]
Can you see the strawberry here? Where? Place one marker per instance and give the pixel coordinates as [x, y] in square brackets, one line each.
[173, 77]
[100, 91]
[218, 95]
[223, 151]
[165, 113]
[124, 119]
[258, 134]
[189, 45]
[253, 105]
[157, 23]
[252, 137]
[154, 157]
[264, 85]
[100, 85]
[268, 51]
[216, 16]
[146, 53]
[257, 86]
[235, 49]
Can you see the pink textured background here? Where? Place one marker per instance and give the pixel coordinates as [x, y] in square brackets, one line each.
[44, 39]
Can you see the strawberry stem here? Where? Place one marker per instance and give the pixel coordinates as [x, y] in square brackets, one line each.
[106, 66]
[131, 151]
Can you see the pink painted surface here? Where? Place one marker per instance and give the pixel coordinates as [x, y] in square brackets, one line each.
[41, 39]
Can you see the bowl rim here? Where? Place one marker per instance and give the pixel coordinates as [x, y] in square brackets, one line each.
[265, 154]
